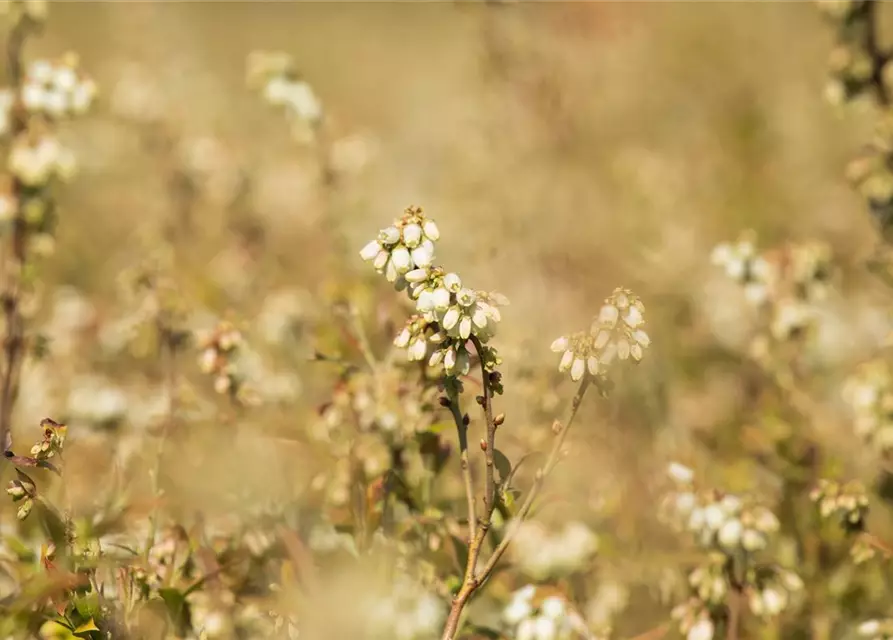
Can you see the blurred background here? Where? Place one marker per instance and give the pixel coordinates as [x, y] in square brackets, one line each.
[563, 149]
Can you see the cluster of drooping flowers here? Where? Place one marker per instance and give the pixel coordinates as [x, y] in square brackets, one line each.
[854, 64]
[847, 504]
[532, 616]
[23, 489]
[617, 332]
[717, 521]
[787, 282]
[407, 246]
[734, 532]
[275, 75]
[448, 315]
[869, 394]
[542, 553]
[218, 348]
[57, 88]
[407, 611]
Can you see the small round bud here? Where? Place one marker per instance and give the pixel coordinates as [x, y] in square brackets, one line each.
[557, 427]
[498, 420]
[444, 402]
[483, 445]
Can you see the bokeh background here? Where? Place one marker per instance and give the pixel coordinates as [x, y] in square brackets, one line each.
[563, 148]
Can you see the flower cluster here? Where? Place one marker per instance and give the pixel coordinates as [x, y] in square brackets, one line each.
[36, 158]
[846, 502]
[406, 246]
[406, 612]
[274, 74]
[57, 88]
[541, 553]
[734, 533]
[533, 617]
[448, 315]
[869, 393]
[787, 282]
[718, 521]
[616, 333]
[218, 349]
[23, 489]
[853, 64]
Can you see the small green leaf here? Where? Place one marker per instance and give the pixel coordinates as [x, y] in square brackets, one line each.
[503, 466]
[177, 608]
[87, 627]
[461, 550]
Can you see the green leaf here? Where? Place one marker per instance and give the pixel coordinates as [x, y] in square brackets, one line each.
[87, 605]
[503, 466]
[461, 550]
[440, 427]
[87, 627]
[177, 608]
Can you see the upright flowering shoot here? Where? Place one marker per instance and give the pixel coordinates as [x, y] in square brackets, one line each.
[617, 332]
[448, 314]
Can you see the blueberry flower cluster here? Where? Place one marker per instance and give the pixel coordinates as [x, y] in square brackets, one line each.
[617, 332]
[448, 315]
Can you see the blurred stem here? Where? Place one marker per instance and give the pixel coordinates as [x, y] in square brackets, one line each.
[169, 357]
[736, 598]
[13, 345]
[473, 581]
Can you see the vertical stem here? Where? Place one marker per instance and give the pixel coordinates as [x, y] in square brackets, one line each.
[474, 580]
[13, 344]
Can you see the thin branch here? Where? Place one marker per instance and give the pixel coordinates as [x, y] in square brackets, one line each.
[490, 487]
[473, 580]
[14, 342]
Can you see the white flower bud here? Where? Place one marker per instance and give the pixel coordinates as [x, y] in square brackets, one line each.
[774, 601]
[623, 349]
[633, 317]
[390, 271]
[452, 282]
[401, 260]
[441, 299]
[869, 628]
[578, 369]
[417, 275]
[422, 256]
[437, 338]
[592, 365]
[641, 337]
[381, 260]
[701, 630]
[559, 345]
[526, 630]
[418, 349]
[370, 251]
[608, 315]
[465, 327]
[545, 628]
[636, 353]
[450, 318]
[425, 301]
[680, 473]
[480, 317]
[730, 533]
[436, 358]
[449, 360]
[566, 360]
[391, 235]
[412, 235]
[602, 339]
[431, 230]
[553, 607]
[753, 540]
[714, 516]
[402, 338]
